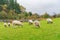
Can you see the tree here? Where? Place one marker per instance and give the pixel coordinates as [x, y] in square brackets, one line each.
[34, 16]
[58, 15]
[3, 15]
[22, 9]
[26, 14]
[30, 13]
[1, 8]
[11, 4]
[55, 15]
[1, 2]
[46, 15]
[17, 9]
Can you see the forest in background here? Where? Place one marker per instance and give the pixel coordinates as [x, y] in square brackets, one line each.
[10, 9]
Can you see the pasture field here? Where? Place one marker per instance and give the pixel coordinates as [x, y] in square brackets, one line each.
[29, 32]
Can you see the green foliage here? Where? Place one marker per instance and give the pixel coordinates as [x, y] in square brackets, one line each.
[10, 9]
[58, 15]
[1, 2]
[26, 14]
[3, 15]
[46, 15]
[17, 8]
[30, 13]
[11, 5]
[55, 15]
[1, 8]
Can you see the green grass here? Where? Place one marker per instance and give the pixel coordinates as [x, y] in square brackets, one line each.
[29, 32]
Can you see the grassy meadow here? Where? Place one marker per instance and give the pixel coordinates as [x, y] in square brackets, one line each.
[29, 32]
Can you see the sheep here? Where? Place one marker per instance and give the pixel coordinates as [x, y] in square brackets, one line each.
[49, 20]
[16, 22]
[9, 24]
[5, 24]
[30, 22]
[37, 24]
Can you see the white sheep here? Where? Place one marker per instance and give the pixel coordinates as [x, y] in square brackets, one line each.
[30, 22]
[49, 20]
[37, 23]
[5, 24]
[9, 24]
[16, 22]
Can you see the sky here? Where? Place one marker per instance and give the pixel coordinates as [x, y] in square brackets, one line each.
[41, 6]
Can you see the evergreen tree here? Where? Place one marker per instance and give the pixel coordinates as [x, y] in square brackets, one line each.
[30, 13]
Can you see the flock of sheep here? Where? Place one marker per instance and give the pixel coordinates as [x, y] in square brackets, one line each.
[36, 23]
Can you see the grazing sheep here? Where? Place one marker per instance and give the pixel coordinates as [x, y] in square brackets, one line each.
[49, 20]
[9, 24]
[5, 24]
[30, 22]
[16, 22]
[37, 24]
